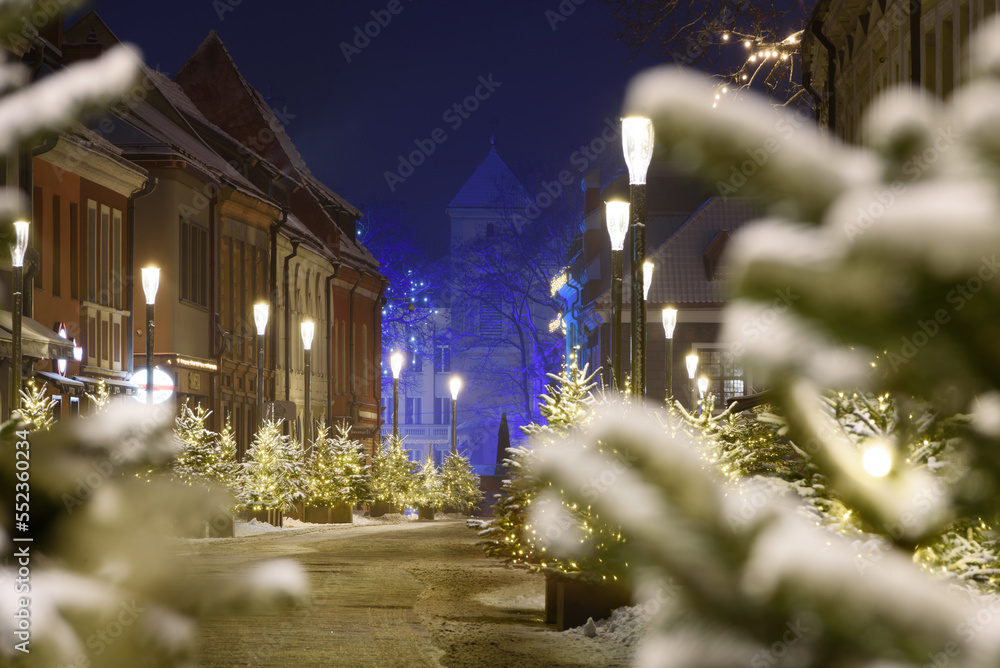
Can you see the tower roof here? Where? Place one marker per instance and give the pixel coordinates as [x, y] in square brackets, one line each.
[492, 186]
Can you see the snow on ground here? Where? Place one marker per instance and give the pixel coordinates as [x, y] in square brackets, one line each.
[253, 528]
[626, 626]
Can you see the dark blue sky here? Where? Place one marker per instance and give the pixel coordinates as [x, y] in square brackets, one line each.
[554, 83]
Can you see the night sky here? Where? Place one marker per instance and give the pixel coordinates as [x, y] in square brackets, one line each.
[549, 90]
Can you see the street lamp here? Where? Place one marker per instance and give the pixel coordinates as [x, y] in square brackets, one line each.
[617, 222]
[669, 323]
[150, 284]
[692, 365]
[61, 362]
[396, 362]
[260, 313]
[17, 252]
[308, 329]
[702, 389]
[455, 384]
[637, 142]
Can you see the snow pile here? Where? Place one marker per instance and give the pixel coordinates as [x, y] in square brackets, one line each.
[253, 528]
[627, 626]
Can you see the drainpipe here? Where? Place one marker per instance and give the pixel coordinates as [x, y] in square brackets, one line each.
[329, 345]
[350, 350]
[831, 71]
[130, 264]
[376, 317]
[807, 84]
[272, 288]
[26, 180]
[288, 320]
[214, 396]
[916, 13]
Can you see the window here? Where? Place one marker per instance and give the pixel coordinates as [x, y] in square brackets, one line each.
[74, 251]
[412, 410]
[442, 358]
[442, 410]
[726, 377]
[92, 253]
[194, 264]
[116, 258]
[38, 233]
[56, 245]
[104, 261]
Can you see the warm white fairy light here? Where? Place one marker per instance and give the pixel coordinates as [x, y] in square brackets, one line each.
[877, 460]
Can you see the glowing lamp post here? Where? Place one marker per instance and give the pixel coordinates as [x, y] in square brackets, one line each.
[669, 323]
[702, 389]
[692, 366]
[455, 385]
[617, 221]
[260, 313]
[61, 362]
[396, 362]
[17, 252]
[150, 284]
[637, 142]
[308, 328]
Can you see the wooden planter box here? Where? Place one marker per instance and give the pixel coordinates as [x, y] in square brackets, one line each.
[570, 601]
[317, 515]
[341, 513]
[380, 508]
[425, 514]
[221, 525]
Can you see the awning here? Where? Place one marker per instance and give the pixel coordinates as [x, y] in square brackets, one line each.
[37, 340]
[114, 386]
[62, 383]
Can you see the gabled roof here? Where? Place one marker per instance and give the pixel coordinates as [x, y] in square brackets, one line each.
[213, 50]
[492, 186]
[679, 275]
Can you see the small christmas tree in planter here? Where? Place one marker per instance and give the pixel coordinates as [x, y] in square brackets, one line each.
[459, 485]
[224, 470]
[37, 408]
[427, 489]
[338, 474]
[391, 479]
[272, 477]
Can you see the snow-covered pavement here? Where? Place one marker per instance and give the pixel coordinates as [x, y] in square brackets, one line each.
[384, 595]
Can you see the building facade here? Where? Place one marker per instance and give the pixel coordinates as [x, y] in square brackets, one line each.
[852, 51]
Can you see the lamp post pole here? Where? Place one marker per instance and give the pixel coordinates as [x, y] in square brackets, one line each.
[260, 314]
[692, 367]
[455, 385]
[702, 389]
[150, 284]
[669, 323]
[18, 250]
[396, 363]
[616, 214]
[308, 329]
[637, 142]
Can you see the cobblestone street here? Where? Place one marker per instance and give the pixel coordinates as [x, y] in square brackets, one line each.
[414, 594]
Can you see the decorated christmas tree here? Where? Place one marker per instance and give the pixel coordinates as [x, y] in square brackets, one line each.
[197, 445]
[272, 477]
[101, 398]
[36, 407]
[883, 371]
[566, 405]
[392, 478]
[337, 469]
[427, 488]
[459, 484]
[222, 466]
